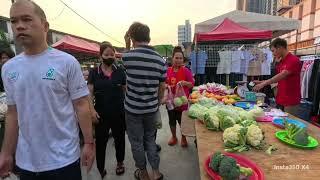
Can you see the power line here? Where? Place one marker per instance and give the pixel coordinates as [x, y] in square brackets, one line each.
[94, 26]
[59, 14]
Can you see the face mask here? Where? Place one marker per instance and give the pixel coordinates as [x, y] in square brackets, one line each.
[108, 61]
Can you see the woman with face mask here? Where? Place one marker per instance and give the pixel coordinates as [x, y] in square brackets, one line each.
[106, 84]
[178, 74]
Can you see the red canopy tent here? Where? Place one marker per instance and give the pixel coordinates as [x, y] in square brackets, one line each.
[228, 30]
[76, 45]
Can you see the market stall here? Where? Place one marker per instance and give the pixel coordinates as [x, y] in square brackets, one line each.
[268, 143]
[233, 53]
[86, 52]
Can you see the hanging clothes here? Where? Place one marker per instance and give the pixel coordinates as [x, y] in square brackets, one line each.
[236, 59]
[247, 57]
[254, 67]
[305, 76]
[266, 62]
[198, 61]
[224, 66]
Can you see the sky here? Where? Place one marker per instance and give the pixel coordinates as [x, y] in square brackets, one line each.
[114, 17]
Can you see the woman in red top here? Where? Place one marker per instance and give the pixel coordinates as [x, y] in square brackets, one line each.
[178, 74]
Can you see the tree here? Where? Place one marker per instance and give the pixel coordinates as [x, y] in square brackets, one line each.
[4, 41]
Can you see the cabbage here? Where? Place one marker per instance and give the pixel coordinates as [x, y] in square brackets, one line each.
[207, 102]
[226, 122]
[247, 123]
[211, 120]
[196, 111]
[226, 111]
[245, 115]
[256, 112]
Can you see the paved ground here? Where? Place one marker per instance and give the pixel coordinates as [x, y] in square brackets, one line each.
[177, 163]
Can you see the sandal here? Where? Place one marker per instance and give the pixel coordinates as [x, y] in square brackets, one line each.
[160, 178]
[120, 169]
[103, 174]
[137, 174]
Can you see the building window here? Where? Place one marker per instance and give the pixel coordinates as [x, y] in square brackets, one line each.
[300, 11]
[290, 14]
[313, 6]
[3, 26]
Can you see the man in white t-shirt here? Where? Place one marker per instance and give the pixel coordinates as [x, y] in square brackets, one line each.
[47, 98]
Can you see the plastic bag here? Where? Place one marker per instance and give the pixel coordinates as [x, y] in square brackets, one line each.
[180, 97]
[169, 99]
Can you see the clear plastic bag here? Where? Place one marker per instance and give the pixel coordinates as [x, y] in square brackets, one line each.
[180, 97]
[169, 99]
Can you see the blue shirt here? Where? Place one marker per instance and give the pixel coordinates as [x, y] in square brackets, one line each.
[198, 65]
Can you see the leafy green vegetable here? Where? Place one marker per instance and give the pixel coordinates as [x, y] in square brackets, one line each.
[302, 137]
[196, 111]
[211, 120]
[256, 112]
[296, 134]
[245, 115]
[247, 123]
[271, 149]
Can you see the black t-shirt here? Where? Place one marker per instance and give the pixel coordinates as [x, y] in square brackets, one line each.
[108, 91]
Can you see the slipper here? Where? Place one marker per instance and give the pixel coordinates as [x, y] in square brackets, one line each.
[137, 174]
[120, 169]
[103, 174]
[160, 178]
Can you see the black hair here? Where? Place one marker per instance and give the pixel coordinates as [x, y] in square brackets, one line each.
[8, 51]
[139, 32]
[278, 42]
[104, 45]
[177, 49]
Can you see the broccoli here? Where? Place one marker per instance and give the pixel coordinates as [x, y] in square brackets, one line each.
[227, 167]
[215, 161]
[229, 170]
[245, 171]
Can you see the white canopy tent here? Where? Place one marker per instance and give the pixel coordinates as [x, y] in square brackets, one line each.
[277, 24]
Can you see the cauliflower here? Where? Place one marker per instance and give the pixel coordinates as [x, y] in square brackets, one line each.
[254, 135]
[231, 135]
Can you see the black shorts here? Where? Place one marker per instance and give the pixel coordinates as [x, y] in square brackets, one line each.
[174, 116]
[72, 171]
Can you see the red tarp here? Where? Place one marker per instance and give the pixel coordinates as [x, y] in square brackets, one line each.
[77, 45]
[228, 30]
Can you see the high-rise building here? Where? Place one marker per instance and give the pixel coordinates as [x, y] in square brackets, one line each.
[184, 33]
[271, 7]
[258, 6]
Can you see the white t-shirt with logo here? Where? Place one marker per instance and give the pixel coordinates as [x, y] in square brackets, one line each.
[42, 87]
